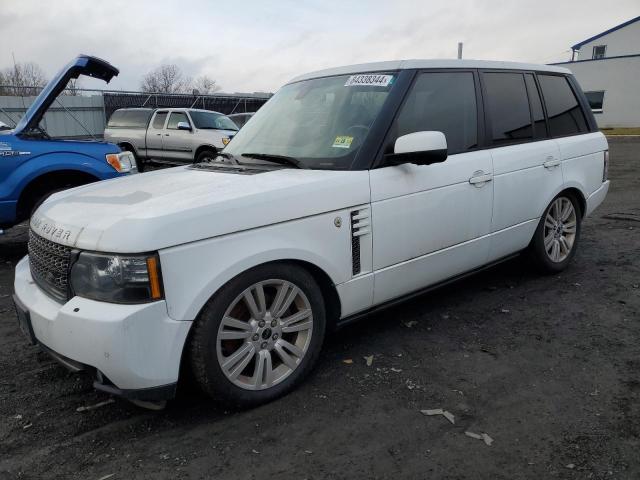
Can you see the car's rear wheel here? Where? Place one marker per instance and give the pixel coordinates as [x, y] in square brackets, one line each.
[259, 336]
[556, 238]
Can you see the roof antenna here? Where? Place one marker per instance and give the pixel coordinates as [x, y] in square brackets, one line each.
[459, 50]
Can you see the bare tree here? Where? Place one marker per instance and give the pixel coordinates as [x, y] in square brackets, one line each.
[25, 78]
[205, 85]
[3, 83]
[72, 88]
[165, 79]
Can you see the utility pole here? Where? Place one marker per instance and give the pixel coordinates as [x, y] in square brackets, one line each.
[459, 50]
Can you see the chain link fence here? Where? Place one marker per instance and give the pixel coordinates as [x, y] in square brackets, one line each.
[84, 113]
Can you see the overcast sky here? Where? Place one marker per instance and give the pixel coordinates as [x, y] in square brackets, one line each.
[258, 45]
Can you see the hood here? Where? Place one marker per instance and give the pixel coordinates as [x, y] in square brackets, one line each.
[170, 207]
[82, 65]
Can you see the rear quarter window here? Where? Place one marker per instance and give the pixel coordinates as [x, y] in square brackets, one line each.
[563, 110]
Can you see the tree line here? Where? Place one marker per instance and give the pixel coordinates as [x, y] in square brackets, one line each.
[26, 79]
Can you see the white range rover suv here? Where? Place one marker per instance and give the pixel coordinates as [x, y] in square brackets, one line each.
[351, 189]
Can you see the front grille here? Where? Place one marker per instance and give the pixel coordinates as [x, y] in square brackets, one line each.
[49, 264]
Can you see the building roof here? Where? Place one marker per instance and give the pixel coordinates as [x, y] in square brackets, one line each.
[413, 64]
[606, 32]
[603, 59]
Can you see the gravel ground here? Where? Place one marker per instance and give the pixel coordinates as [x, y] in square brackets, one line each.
[546, 366]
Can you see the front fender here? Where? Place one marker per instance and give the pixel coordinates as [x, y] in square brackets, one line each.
[192, 273]
[42, 164]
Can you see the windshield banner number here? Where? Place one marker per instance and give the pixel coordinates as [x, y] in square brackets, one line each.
[369, 80]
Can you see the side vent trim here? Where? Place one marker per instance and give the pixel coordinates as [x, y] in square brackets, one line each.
[360, 225]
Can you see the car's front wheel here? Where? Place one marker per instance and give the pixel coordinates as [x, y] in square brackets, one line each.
[556, 239]
[259, 336]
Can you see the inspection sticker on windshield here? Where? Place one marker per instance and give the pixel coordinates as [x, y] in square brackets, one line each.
[342, 141]
[370, 80]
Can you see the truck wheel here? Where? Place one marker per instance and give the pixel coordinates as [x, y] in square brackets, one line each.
[259, 336]
[205, 156]
[556, 239]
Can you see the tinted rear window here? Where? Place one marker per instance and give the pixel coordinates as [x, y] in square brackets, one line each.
[508, 107]
[563, 110]
[129, 119]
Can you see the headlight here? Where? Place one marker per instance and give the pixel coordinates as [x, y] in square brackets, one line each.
[123, 162]
[117, 278]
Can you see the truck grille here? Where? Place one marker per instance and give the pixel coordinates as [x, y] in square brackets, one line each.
[49, 264]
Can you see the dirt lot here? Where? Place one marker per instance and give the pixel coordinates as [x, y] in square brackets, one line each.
[547, 366]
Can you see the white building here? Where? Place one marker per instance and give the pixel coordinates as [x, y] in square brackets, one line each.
[607, 67]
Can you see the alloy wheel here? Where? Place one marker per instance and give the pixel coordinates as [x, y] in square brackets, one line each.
[265, 334]
[560, 226]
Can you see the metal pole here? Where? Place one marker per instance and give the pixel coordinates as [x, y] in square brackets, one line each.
[459, 50]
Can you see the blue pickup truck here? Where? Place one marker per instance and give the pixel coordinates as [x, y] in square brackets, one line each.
[33, 165]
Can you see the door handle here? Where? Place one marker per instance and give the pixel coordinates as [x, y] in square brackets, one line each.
[551, 162]
[158, 134]
[480, 179]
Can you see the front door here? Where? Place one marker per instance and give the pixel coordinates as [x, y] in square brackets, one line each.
[178, 144]
[431, 222]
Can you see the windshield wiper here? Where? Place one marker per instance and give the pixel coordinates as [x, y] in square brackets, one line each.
[279, 159]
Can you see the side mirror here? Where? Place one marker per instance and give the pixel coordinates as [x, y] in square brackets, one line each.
[184, 126]
[421, 148]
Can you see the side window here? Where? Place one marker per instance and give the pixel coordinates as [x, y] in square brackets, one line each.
[117, 119]
[158, 120]
[539, 123]
[599, 51]
[176, 118]
[444, 102]
[563, 110]
[595, 99]
[508, 107]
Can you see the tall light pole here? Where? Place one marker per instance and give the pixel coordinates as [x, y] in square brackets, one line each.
[459, 50]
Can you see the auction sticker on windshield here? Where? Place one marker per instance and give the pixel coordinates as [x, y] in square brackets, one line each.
[342, 141]
[369, 80]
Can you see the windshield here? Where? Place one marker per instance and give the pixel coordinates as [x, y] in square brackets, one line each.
[320, 122]
[211, 120]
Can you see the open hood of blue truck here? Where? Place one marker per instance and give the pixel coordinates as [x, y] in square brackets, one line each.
[82, 65]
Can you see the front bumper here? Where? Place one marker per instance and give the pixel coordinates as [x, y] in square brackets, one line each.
[135, 349]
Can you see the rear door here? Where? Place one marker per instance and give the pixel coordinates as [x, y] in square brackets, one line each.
[178, 144]
[526, 161]
[155, 135]
[580, 149]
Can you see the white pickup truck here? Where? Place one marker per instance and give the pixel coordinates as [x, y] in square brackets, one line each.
[169, 135]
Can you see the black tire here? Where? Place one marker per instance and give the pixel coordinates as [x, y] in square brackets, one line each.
[202, 346]
[204, 155]
[537, 252]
